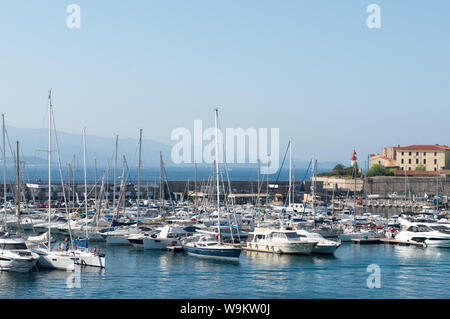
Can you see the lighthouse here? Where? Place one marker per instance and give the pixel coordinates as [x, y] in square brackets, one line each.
[354, 158]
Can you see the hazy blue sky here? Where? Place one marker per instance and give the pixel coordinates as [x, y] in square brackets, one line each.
[311, 68]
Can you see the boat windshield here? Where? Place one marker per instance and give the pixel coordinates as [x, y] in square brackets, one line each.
[419, 229]
[15, 246]
[291, 235]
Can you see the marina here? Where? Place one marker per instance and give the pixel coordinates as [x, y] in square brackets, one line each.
[224, 159]
[92, 234]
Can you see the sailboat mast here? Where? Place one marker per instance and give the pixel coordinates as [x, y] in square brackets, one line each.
[4, 170]
[115, 171]
[95, 179]
[49, 165]
[85, 182]
[290, 171]
[139, 174]
[313, 182]
[74, 171]
[216, 110]
[259, 186]
[195, 185]
[161, 183]
[19, 230]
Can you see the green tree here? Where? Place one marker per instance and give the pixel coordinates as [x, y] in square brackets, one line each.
[378, 170]
[339, 167]
[420, 167]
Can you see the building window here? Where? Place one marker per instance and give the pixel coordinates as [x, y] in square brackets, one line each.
[424, 161]
[424, 153]
[403, 161]
[402, 168]
[435, 169]
[435, 161]
[409, 161]
[409, 168]
[417, 153]
[435, 153]
[403, 153]
[417, 161]
[409, 153]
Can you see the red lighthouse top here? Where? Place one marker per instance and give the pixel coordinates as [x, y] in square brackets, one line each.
[354, 155]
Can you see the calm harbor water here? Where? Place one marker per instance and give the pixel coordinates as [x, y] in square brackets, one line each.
[406, 272]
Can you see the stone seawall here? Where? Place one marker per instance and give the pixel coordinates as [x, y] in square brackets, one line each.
[384, 185]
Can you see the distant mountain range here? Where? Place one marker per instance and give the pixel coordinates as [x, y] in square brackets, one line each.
[34, 146]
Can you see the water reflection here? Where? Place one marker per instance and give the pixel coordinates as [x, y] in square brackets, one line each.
[406, 271]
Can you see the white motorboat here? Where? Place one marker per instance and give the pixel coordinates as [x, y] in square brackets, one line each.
[279, 241]
[117, 236]
[169, 236]
[15, 255]
[350, 233]
[324, 246]
[419, 233]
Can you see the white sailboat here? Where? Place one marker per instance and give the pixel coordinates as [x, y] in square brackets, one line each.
[213, 247]
[62, 260]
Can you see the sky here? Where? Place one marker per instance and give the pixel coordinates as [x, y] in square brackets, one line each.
[311, 68]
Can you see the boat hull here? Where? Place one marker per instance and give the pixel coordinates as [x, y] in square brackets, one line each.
[159, 243]
[17, 264]
[325, 249]
[227, 253]
[117, 240]
[282, 248]
[60, 262]
[89, 259]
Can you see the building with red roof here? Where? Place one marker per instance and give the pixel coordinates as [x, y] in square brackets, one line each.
[407, 158]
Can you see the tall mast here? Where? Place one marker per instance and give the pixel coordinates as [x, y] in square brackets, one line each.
[85, 182]
[95, 178]
[161, 182]
[437, 187]
[290, 171]
[4, 170]
[19, 230]
[313, 182]
[49, 165]
[216, 120]
[195, 184]
[139, 175]
[115, 171]
[74, 171]
[259, 187]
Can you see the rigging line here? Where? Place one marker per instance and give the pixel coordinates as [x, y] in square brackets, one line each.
[168, 188]
[13, 154]
[281, 167]
[62, 179]
[229, 181]
[304, 178]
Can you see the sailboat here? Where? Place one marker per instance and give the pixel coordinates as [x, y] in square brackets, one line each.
[207, 246]
[62, 260]
[14, 254]
[84, 256]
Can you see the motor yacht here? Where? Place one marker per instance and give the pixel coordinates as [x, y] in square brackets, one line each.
[279, 241]
[15, 255]
[417, 232]
[324, 246]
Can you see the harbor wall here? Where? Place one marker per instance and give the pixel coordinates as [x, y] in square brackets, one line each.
[381, 185]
